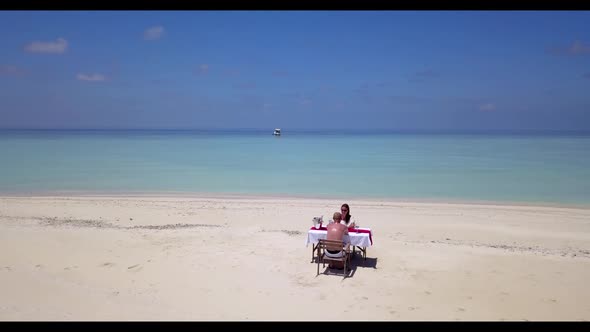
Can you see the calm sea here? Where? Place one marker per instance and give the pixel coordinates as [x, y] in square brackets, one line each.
[535, 168]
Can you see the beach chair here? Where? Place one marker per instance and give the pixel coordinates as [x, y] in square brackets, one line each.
[324, 245]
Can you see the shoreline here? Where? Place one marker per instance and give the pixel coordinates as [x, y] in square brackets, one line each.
[277, 196]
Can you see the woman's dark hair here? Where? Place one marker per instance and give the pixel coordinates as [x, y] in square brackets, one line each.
[347, 219]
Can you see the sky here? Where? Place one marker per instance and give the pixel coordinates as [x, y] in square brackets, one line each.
[339, 70]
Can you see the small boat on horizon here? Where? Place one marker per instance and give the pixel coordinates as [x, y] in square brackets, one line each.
[277, 132]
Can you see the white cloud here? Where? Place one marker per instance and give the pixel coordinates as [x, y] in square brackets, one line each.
[576, 48]
[10, 70]
[487, 107]
[58, 46]
[203, 69]
[153, 33]
[245, 85]
[579, 48]
[91, 77]
[305, 101]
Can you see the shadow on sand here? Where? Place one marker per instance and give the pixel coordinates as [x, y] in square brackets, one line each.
[356, 262]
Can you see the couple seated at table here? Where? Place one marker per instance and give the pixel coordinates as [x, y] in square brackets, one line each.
[345, 217]
[336, 232]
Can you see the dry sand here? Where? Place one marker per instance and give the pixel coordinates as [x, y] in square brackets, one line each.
[244, 258]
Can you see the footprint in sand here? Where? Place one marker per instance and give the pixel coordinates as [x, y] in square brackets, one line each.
[461, 309]
[301, 281]
[107, 264]
[135, 268]
[427, 292]
[8, 268]
[38, 266]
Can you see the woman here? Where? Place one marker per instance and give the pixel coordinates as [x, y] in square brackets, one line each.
[346, 217]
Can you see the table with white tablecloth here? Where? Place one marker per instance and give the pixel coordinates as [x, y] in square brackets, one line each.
[360, 238]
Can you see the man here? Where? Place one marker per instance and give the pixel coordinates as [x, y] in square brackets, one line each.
[336, 232]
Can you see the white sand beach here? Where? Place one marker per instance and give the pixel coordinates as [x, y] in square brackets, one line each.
[244, 258]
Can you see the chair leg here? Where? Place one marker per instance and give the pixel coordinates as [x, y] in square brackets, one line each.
[318, 267]
[319, 259]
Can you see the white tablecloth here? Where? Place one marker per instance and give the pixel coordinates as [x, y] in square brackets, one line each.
[355, 239]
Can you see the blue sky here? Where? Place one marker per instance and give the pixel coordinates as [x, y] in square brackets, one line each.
[400, 70]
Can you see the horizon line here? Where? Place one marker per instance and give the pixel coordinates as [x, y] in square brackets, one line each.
[300, 130]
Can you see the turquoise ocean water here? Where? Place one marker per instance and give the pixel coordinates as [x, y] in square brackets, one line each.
[536, 168]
